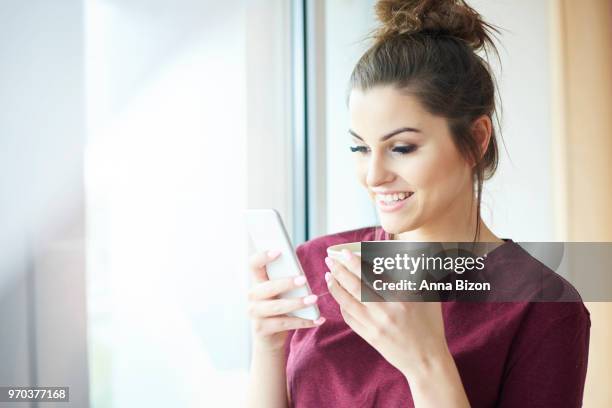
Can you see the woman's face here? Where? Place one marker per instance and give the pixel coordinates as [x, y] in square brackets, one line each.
[401, 148]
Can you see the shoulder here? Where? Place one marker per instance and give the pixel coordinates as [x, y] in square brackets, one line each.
[529, 272]
[547, 314]
[526, 284]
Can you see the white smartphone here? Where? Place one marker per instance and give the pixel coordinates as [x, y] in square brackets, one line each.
[268, 232]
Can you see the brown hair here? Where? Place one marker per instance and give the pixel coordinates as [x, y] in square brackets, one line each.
[427, 48]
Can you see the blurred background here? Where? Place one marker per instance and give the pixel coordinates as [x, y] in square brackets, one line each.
[133, 133]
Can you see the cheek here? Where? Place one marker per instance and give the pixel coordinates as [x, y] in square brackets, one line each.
[361, 171]
[438, 172]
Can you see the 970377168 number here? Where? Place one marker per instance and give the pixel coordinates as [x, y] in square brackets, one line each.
[14, 394]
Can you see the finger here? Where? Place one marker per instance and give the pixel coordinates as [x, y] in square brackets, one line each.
[351, 262]
[274, 287]
[348, 280]
[276, 307]
[258, 262]
[343, 297]
[273, 325]
[358, 287]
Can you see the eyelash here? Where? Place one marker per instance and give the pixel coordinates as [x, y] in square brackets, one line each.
[398, 149]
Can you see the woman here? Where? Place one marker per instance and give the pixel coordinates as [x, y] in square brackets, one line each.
[421, 102]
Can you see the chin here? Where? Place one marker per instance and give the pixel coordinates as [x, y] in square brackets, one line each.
[395, 227]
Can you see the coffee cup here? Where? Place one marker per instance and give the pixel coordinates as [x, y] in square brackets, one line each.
[335, 251]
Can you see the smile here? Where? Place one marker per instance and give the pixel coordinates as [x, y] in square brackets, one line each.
[392, 202]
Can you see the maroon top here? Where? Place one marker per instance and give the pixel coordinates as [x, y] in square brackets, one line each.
[508, 354]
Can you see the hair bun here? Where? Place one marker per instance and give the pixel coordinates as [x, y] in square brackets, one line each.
[450, 17]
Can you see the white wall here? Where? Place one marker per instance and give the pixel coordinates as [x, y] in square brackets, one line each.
[517, 202]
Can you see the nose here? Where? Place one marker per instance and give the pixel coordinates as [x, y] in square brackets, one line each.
[378, 173]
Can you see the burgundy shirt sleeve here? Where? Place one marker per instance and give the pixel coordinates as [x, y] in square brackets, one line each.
[548, 361]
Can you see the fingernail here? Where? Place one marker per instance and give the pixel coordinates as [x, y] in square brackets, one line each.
[309, 300]
[329, 262]
[299, 280]
[327, 275]
[319, 321]
[273, 254]
[347, 254]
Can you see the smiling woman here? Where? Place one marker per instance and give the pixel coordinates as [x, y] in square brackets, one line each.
[425, 161]
[421, 106]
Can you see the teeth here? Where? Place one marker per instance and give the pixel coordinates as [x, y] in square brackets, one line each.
[393, 197]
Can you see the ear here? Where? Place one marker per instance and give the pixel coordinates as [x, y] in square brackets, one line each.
[482, 129]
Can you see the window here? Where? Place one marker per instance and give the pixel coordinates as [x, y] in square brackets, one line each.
[166, 184]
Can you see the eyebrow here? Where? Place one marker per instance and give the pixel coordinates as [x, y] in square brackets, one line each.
[388, 135]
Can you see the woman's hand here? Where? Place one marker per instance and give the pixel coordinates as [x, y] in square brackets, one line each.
[409, 335]
[267, 311]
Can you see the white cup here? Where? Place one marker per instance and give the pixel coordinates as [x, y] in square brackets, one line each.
[335, 251]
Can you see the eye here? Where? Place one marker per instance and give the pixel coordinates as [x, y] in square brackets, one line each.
[397, 149]
[360, 149]
[404, 149]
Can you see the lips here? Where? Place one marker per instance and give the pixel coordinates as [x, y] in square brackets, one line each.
[395, 205]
